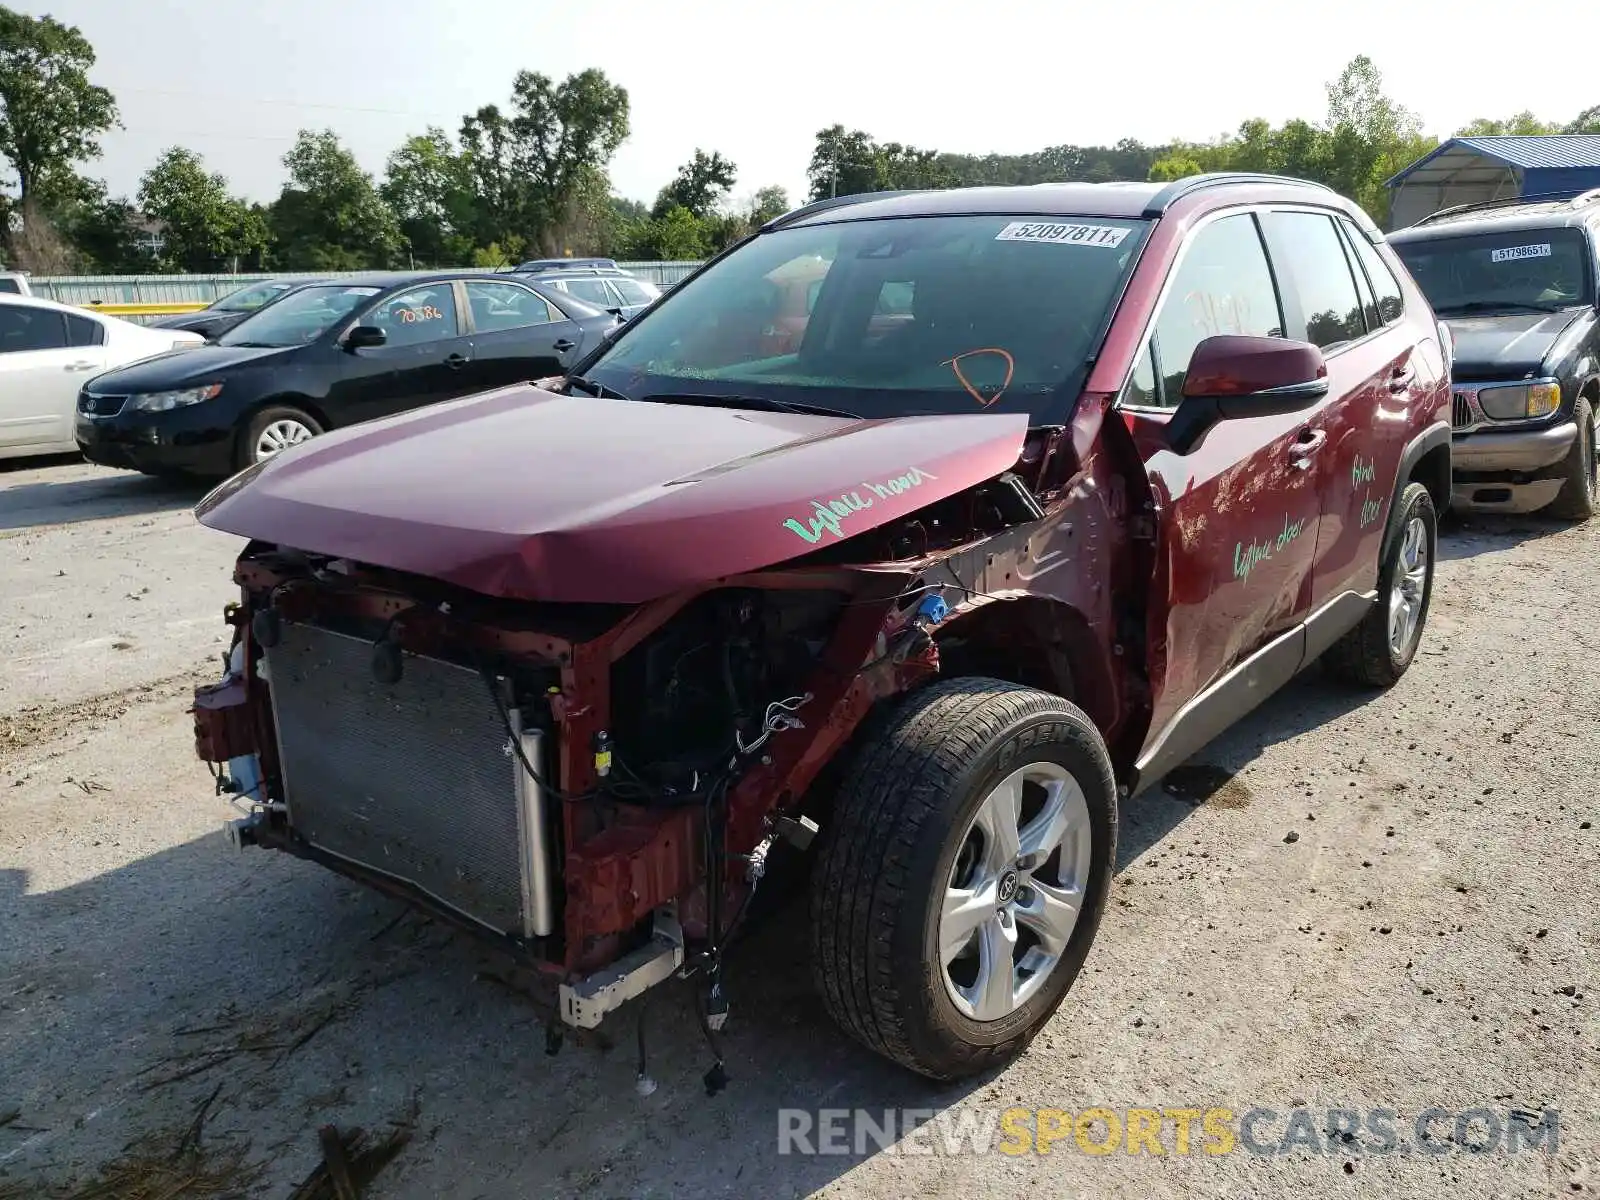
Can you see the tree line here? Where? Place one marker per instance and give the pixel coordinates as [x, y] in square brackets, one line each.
[530, 178]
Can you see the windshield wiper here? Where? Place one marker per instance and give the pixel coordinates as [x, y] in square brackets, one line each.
[254, 345]
[761, 403]
[590, 388]
[1478, 306]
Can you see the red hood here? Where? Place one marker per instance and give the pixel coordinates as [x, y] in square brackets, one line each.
[524, 493]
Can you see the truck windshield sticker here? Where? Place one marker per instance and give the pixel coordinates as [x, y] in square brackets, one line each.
[828, 516]
[1108, 236]
[1512, 253]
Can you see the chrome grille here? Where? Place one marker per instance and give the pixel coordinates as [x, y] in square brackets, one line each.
[1460, 411]
[100, 406]
[414, 780]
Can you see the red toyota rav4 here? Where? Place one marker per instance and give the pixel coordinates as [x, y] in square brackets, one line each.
[1053, 484]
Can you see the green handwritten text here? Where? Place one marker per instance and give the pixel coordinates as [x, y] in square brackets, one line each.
[828, 516]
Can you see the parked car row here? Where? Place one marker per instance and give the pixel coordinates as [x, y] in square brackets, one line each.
[329, 354]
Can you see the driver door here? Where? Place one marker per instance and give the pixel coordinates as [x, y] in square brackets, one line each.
[426, 356]
[1236, 527]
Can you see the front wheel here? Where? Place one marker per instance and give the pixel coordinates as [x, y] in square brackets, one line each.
[963, 875]
[1377, 652]
[1580, 480]
[273, 430]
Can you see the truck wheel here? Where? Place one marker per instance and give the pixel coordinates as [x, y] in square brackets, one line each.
[1579, 490]
[273, 430]
[963, 874]
[1377, 652]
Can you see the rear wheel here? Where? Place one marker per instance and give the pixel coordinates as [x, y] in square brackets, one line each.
[273, 430]
[1377, 652]
[1580, 491]
[963, 875]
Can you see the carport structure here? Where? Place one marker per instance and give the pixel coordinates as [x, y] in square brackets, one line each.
[1470, 170]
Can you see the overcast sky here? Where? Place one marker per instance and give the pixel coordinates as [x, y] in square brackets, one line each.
[234, 79]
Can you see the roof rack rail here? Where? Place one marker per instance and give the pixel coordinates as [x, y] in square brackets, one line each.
[1510, 202]
[1179, 188]
[817, 206]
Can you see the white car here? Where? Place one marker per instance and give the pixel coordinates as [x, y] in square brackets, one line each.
[47, 352]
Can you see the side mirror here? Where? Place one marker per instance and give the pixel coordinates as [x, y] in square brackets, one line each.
[363, 337]
[1232, 376]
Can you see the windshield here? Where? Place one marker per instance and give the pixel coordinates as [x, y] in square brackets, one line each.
[1501, 272]
[302, 317]
[248, 299]
[889, 318]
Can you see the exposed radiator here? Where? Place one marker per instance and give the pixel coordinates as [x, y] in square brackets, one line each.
[416, 780]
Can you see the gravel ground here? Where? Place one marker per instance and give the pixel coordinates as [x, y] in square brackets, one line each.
[1366, 901]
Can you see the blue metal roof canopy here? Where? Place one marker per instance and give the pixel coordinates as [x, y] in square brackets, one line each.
[1468, 170]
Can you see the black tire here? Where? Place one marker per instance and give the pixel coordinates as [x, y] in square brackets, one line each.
[247, 454]
[903, 814]
[1580, 481]
[1365, 655]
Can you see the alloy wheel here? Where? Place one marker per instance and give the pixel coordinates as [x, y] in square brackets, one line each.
[1410, 588]
[1015, 891]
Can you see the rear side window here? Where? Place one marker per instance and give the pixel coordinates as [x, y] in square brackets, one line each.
[632, 292]
[1306, 248]
[23, 328]
[1223, 285]
[591, 291]
[1391, 305]
[10, 285]
[84, 331]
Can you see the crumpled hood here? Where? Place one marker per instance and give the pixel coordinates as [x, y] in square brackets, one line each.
[527, 494]
[1507, 346]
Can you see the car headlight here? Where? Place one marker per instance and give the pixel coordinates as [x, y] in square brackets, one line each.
[1517, 402]
[167, 401]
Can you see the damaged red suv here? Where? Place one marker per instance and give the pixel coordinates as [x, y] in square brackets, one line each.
[1046, 487]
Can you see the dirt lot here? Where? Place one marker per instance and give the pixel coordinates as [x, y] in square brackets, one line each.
[1428, 938]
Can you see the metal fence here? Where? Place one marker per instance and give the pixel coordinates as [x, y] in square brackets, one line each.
[203, 289]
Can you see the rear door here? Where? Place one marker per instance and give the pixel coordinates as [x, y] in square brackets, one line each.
[1238, 516]
[1332, 299]
[517, 334]
[40, 374]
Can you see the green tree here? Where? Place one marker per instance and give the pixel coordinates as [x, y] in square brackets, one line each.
[1370, 137]
[700, 185]
[1588, 121]
[206, 229]
[675, 235]
[1523, 122]
[769, 202]
[428, 186]
[533, 168]
[843, 163]
[51, 116]
[329, 216]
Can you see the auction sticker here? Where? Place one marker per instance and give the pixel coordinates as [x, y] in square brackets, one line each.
[1512, 253]
[1067, 235]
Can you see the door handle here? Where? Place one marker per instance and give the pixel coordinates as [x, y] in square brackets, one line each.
[455, 362]
[1400, 379]
[565, 344]
[79, 366]
[1306, 445]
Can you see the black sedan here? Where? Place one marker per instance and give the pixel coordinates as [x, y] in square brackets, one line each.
[325, 356]
[222, 315]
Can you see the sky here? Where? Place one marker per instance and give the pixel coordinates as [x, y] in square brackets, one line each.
[234, 79]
